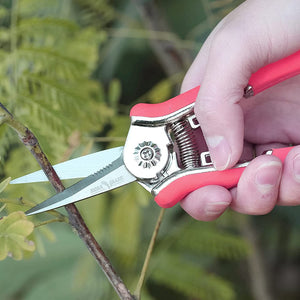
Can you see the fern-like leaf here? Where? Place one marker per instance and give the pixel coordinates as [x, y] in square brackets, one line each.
[189, 279]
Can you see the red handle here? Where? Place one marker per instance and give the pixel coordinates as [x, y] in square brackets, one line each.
[181, 187]
[275, 72]
[167, 107]
[259, 81]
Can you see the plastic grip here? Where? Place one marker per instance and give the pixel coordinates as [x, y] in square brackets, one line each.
[276, 72]
[167, 107]
[181, 187]
[184, 185]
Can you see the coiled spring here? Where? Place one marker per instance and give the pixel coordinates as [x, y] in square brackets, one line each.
[185, 139]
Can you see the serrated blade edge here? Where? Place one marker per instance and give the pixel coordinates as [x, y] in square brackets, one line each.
[75, 168]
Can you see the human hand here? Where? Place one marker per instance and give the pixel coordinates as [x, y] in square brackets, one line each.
[255, 34]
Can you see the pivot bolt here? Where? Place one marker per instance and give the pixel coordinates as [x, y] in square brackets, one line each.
[147, 154]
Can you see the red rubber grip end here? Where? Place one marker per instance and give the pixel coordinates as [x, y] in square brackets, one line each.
[165, 108]
[276, 72]
[181, 187]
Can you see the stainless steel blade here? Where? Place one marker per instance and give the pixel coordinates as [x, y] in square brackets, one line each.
[75, 168]
[112, 176]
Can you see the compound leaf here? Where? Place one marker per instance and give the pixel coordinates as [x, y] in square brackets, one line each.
[14, 230]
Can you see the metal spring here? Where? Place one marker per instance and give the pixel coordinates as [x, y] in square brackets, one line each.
[186, 142]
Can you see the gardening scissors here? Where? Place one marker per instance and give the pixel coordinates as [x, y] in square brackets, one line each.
[164, 151]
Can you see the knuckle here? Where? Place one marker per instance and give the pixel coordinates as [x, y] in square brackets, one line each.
[206, 111]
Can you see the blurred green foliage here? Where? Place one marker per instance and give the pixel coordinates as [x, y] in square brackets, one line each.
[70, 70]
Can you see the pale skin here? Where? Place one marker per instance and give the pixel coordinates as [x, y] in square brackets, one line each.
[255, 34]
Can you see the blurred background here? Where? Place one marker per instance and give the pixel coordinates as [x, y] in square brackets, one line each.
[71, 70]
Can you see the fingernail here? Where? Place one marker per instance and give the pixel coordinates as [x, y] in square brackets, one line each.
[267, 176]
[215, 208]
[296, 167]
[220, 151]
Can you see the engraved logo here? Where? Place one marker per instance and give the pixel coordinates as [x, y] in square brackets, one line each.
[104, 186]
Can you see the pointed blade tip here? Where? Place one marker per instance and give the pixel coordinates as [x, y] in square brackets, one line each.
[32, 211]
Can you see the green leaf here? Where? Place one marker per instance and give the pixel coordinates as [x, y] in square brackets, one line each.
[14, 230]
[40, 24]
[6, 138]
[114, 92]
[188, 278]
[125, 224]
[207, 238]
[4, 184]
[4, 34]
[160, 92]
[120, 128]
[4, 12]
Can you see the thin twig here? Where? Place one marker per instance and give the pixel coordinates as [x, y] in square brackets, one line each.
[164, 36]
[140, 283]
[49, 222]
[75, 218]
[259, 281]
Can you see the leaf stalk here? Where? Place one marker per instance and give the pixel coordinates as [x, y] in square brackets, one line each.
[141, 280]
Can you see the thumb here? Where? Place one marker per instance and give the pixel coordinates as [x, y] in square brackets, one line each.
[239, 46]
[217, 107]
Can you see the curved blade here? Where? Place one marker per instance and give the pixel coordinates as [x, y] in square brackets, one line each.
[79, 167]
[112, 176]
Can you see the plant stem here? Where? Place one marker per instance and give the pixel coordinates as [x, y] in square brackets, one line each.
[75, 218]
[165, 36]
[2, 207]
[49, 222]
[259, 280]
[140, 283]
